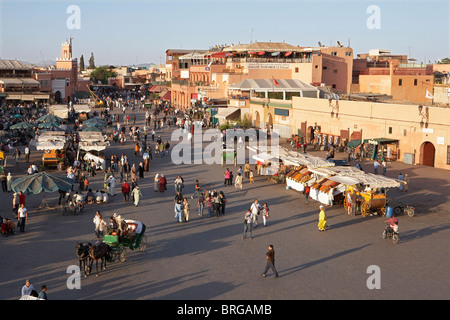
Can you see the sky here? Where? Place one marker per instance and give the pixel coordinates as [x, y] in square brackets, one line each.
[129, 32]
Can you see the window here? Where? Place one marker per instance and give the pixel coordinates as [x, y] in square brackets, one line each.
[324, 68]
[333, 53]
[335, 71]
[333, 86]
[415, 82]
[316, 66]
[296, 70]
[400, 82]
[348, 53]
[390, 130]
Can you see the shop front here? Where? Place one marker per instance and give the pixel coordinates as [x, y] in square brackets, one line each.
[379, 148]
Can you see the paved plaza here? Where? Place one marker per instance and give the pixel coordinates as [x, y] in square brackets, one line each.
[207, 259]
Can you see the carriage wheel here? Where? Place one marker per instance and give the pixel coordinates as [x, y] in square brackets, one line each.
[345, 202]
[122, 254]
[382, 211]
[143, 243]
[365, 209]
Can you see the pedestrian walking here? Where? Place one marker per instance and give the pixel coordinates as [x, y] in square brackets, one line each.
[238, 182]
[126, 191]
[209, 205]
[27, 154]
[384, 167]
[248, 225]
[265, 213]
[43, 294]
[306, 192]
[136, 195]
[247, 170]
[196, 189]
[100, 224]
[251, 177]
[322, 225]
[186, 210]
[270, 263]
[406, 182]
[401, 178]
[376, 165]
[22, 215]
[255, 208]
[3, 179]
[8, 181]
[201, 204]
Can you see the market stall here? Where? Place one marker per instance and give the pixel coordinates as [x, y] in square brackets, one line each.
[380, 148]
[371, 191]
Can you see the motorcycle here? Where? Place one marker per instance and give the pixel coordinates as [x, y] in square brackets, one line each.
[391, 234]
[401, 208]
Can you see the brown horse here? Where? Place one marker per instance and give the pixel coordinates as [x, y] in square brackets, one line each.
[82, 250]
[96, 252]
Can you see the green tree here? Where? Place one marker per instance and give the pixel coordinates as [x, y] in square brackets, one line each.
[91, 61]
[102, 74]
[81, 63]
[445, 61]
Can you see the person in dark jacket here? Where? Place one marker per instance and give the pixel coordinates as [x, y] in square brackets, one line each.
[270, 257]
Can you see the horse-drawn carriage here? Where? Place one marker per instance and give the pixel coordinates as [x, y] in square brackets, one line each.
[113, 246]
[133, 238]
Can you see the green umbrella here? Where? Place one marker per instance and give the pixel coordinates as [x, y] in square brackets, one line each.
[93, 128]
[18, 116]
[48, 125]
[49, 118]
[41, 182]
[95, 122]
[22, 125]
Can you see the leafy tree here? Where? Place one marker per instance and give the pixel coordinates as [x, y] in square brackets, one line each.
[445, 61]
[81, 63]
[102, 74]
[91, 61]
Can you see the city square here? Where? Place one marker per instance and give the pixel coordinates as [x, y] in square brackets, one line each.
[331, 114]
[206, 258]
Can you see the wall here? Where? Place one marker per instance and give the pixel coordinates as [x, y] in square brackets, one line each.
[375, 84]
[376, 120]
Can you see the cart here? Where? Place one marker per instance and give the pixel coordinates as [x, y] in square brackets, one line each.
[368, 202]
[133, 238]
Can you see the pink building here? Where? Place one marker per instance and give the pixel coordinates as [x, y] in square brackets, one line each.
[63, 78]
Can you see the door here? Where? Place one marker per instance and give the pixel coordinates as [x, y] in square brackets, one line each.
[427, 152]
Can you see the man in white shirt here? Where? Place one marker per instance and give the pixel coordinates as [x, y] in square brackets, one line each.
[255, 212]
[22, 215]
[27, 288]
[27, 154]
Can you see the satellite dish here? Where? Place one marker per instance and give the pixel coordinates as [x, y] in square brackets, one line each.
[320, 44]
[339, 44]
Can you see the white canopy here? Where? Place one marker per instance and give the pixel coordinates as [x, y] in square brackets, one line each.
[368, 179]
[263, 157]
[90, 156]
[93, 145]
[48, 145]
[90, 136]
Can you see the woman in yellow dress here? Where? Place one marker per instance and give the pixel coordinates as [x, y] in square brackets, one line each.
[322, 219]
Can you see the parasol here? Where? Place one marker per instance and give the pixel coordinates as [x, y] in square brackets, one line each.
[50, 118]
[21, 125]
[41, 182]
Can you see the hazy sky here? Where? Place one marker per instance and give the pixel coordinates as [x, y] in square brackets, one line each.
[140, 31]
